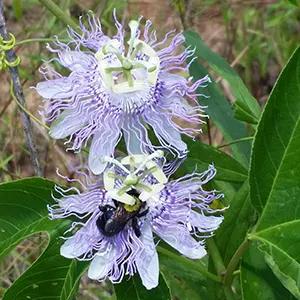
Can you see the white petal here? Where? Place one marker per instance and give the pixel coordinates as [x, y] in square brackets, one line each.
[168, 132]
[133, 142]
[109, 181]
[66, 124]
[205, 223]
[101, 264]
[82, 241]
[103, 144]
[147, 263]
[180, 241]
[73, 247]
[74, 60]
[146, 49]
[55, 89]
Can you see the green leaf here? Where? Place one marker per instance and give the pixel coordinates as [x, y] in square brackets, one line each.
[23, 211]
[184, 283]
[18, 10]
[274, 184]
[179, 5]
[286, 280]
[6, 161]
[254, 287]
[237, 221]
[275, 176]
[257, 279]
[241, 113]
[294, 2]
[226, 188]
[223, 69]
[133, 289]
[203, 155]
[219, 110]
[51, 276]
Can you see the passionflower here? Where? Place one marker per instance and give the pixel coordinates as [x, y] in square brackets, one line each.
[115, 88]
[120, 217]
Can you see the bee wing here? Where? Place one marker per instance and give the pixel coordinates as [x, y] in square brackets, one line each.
[122, 215]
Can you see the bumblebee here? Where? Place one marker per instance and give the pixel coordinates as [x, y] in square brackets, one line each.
[114, 219]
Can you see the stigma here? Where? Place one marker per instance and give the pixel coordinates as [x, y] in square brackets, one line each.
[131, 72]
[135, 169]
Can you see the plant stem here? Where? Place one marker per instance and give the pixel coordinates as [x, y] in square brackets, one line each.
[248, 138]
[215, 256]
[189, 264]
[41, 40]
[18, 93]
[228, 277]
[24, 109]
[228, 293]
[59, 13]
[219, 266]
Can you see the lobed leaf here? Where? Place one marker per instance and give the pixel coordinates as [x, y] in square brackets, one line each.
[51, 276]
[275, 177]
[257, 279]
[23, 210]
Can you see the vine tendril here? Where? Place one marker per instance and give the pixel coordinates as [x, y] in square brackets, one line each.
[5, 46]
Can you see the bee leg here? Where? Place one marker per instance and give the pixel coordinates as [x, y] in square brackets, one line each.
[136, 227]
[142, 214]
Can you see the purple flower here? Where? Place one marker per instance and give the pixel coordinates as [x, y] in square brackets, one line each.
[119, 218]
[116, 88]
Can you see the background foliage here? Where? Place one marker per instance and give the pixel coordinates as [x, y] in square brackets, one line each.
[252, 136]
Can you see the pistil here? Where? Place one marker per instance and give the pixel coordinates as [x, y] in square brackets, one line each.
[128, 63]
